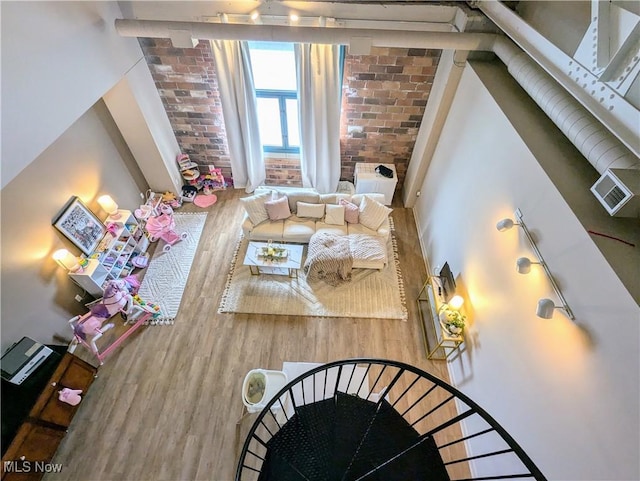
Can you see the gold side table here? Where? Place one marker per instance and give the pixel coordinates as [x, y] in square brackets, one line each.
[439, 343]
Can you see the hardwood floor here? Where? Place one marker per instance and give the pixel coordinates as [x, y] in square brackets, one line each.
[165, 404]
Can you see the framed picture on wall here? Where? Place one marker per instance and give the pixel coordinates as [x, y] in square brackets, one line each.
[79, 225]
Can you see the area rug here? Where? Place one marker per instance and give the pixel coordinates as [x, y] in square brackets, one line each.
[166, 276]
[377, 294]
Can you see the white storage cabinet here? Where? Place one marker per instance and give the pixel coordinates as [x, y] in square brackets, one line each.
[368, 180]
[113, 257]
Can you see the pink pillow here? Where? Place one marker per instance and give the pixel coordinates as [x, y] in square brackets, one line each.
[351, 211]
[278, 209]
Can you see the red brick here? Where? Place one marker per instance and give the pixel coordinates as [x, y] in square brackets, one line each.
[395, 96]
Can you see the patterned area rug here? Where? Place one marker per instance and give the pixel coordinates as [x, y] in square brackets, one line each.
[166, 276]
[370, 294]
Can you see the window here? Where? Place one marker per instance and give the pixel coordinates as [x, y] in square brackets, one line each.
[274, 77]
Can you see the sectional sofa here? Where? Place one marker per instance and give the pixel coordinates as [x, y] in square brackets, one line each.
[294, 215]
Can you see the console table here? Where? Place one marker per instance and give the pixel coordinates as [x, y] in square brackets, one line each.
[34, 420]
[438, 342]
[368, 180]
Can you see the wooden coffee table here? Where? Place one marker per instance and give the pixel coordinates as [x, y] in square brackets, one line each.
[288, 266]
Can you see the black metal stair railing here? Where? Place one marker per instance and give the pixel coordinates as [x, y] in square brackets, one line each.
[373, 419]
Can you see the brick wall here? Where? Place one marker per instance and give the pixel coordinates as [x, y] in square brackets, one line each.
[383, 101]
[188, 87]
[283, 171]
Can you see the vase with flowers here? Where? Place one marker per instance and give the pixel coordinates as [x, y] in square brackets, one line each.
[452, 320]
[272, 252]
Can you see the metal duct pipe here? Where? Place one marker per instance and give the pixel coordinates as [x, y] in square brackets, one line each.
[601, 148]
[334, 36]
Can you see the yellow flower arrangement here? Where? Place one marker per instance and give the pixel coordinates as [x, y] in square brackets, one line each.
[272, 253]
[452, 319]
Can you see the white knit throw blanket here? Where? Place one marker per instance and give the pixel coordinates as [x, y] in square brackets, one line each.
[329, 259]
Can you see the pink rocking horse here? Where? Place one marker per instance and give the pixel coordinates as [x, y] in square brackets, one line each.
[118, 298]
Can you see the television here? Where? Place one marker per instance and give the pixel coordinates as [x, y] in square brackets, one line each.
[447, 281]
[22, 359]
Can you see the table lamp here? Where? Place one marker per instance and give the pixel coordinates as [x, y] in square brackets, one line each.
[66, 259]
[109, 206]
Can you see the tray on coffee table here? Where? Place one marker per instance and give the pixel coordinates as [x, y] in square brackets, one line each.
[285, 262]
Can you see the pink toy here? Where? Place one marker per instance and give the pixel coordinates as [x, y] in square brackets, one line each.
[112, 228]
[70, 396]
[87, 329]
[133, 283]
[203, 200]
[163, 227]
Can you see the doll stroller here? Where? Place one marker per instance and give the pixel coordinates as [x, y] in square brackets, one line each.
[163, 227]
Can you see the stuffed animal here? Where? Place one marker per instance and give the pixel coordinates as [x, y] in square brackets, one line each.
[168, 197]
[112, 228]
[171, 199]
[70, 396]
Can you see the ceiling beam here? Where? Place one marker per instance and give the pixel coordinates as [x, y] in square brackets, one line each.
[335, 36]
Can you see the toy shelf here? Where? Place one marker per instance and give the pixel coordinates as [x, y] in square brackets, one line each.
[114, 256]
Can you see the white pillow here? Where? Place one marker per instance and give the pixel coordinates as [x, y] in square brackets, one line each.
[334, 215]
[357, 198]
[305, 209]
[333, 198]
[372, 213]
[254, 205]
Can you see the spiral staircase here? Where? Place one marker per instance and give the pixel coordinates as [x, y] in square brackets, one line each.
[372, 419]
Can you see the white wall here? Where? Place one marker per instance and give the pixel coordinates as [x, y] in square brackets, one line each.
[37, 295]
[568, 393]
[58, 59]
[58, 140]
[142, 119]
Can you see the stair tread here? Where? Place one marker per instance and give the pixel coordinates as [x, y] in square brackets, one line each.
[348, 435]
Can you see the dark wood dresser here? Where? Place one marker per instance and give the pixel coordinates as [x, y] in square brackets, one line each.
[34, 420]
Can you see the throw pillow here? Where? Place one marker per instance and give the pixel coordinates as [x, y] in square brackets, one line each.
[278, 209]
[310, 210]
[351, 211]
[254, 205]
[357, 198]
[301, 195]
[372, 213]
[333, 198]
[334, 215]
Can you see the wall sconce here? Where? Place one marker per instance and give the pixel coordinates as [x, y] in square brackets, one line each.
[109, 206]
[546, 307]
[456, 302]
[67, 260]
[523, 266]
[505, 224]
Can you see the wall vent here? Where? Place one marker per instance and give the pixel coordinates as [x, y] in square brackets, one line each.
[618, 190]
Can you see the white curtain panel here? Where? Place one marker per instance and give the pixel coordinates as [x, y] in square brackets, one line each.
[318, 76]
[238, 98]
